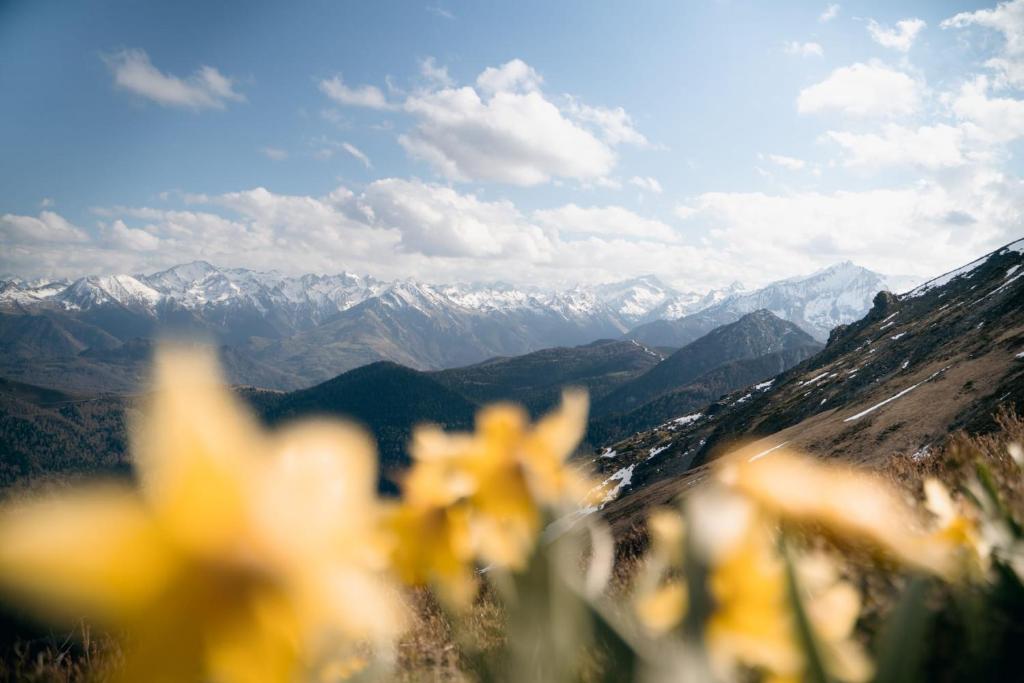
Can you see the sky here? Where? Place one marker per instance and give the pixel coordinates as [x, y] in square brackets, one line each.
[544, 143]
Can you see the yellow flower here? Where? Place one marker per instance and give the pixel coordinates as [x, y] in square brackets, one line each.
[848, 502]
[661, 601]
[956, 528]
[753, 623]
[240, 559]
[476, 496]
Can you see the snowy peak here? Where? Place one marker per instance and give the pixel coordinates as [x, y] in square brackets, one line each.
[88, 292]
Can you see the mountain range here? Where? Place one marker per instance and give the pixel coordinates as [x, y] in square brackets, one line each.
[945, 356]
[287, 332]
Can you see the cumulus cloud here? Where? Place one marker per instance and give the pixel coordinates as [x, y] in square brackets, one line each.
[901, 37]
[120, 236]
[369, 96]
[863, 90]
[614, 125]
[434, 73]
[930, 147]
[434, 220]
[49, 226]
[830, 13]
[511, 134]
[515, 75]
[605, 220]
[207, 88]
[503, 128]
[1006, 18]
[921, 229]
[803, 49]
[993, 120]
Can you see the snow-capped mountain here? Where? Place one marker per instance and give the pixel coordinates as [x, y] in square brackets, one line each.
[312, 327]
[833, 296]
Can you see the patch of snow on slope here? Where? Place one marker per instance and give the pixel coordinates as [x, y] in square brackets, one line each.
[813, 379]
[624, 477]
[766, 452]
[764, 386]
[895, 396]
[657, 449]
[687, 419]
[897, 336]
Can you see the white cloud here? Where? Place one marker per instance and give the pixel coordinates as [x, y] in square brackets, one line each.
[863, 90]
[899, 38]
[438, 221]
[207, 88]
[275, 153]
[803, 49]
[49, 226]
[993, 120]
[615, 125]
[646, 183]
[369, 96]
[615, 221]
[434, 73]
[830, 13]
[120, 236]
[921, 229]
[1008, 19]
[788, 163]
[357, 153]
[513, 134]
[513, 76]
[930, 147]
[684, 212]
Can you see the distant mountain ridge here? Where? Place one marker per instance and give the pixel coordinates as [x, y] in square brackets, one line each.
[295, 331]
[755, 334]
[833, 296]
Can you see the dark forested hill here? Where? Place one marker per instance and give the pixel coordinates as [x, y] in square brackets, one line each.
[755, 334]
[536, 379]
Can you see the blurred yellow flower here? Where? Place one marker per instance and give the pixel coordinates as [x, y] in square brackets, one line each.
[753, 623]
[477, 496]
[660, 599]
[955, 527]
[242, 556]
[848, 502]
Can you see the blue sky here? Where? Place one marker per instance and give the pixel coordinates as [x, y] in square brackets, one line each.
[534, 142]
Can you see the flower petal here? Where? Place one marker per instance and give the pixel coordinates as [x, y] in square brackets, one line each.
[195, 450]
[95, 551]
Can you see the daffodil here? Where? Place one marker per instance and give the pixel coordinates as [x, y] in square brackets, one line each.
[660, 599]
[243, 556]
[848, 502]
[478, 496]
[752, 623]
[955, 527]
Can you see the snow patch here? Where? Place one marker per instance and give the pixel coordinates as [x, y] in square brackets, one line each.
[766, 452]
[687, 419]
[895, 396]
[657, 449]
